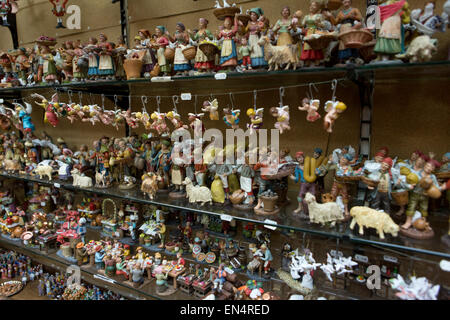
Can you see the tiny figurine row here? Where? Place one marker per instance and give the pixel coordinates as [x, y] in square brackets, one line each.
[331, 33]
[179, 171]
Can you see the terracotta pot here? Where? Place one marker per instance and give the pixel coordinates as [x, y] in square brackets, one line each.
[189, 53]
[355, 38]
[420, 224]
[269, 203]
[401, 198]
[169, 54]
[133, 68]
[433, 192]
[425, 183]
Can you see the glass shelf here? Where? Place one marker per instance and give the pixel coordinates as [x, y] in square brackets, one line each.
[395, 70]
[286, 219]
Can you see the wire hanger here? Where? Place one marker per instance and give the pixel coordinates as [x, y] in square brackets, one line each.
[158, 102]
[231, 99]
[69, 93]
[103, 102]
[129, 102]
[333, 88]
[255, 92]
[175, 100]
[144, 103]
[311, 86]
[281, 96]
[115, 102]
[80, 95]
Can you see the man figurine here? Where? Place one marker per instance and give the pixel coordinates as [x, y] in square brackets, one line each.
[305, 186]
[99, 255]
[81, 229]
[59, 10]
[382, 193]
[137, 274]
[267, 258]
[180, 260]
[221, 277]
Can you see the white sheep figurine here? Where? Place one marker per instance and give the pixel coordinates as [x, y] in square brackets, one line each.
[370, 218]
[81, 181]
[44, 170]
[197, 193]
[323, 212]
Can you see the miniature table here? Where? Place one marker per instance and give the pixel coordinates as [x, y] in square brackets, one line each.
[175, 275]
[47, 242]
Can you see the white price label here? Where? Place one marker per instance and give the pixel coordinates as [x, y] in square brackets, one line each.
[186, 96]
[334, 252]
[57, 185]
[271, 222]
[43, 204]
[220, 76]
[161, 79]
[390, 259]
[228, 270]
[97, 276]
[361, 258]
[226, 217]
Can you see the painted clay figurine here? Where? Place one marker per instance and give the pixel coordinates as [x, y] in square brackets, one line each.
[333, 109]
[311, 107]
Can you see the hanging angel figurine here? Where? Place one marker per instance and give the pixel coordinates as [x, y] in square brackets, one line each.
[130, 118]
[72, 112]
[159, 124]
[333, 109]
[311, 106]
[282, 115]
[175, 118]
[144, 119]
[196, 123]
[256, 119]
[212, 107]
[24, 115]
[52, 108]
[231, 118]
[106, 116]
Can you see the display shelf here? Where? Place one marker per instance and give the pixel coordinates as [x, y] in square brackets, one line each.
[284, 220]
[391, 71]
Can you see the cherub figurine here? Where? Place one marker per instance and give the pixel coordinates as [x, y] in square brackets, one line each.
[159, 123]
[130, 118]
[90, 114]
[52, 108]
[24, 114]
[282, 115]
[256, 119]
[311, 107]
[175, 118]
[144, 119]
[231, 118]
[333, 109]
[212, 107]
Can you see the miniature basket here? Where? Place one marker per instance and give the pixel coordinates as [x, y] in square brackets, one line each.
[244, 18]
[237, 197]
[133, 68]
[355, 38]
[169, 54]
[190, 52]
[320, 43]
[208, 48]
[366, 51]
[347, 178]
[222, 13]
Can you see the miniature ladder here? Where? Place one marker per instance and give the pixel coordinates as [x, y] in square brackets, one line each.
[366, 88]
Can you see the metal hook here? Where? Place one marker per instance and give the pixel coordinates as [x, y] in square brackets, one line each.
[80, 95]
[334, 87]
[91, 100]
[69, 92]
[231, 99]
[115, 101]
[281, 96]
[254, 98]
[158, 102]
[312, 85]
[144, 103]
[175, 100]
[129, 102]
[103, 101]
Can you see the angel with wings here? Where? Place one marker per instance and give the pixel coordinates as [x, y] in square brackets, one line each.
[159, 123]
[130, 118]
[59, 10]
[212, 107]
[256, 119]
[231, 118]
[196, 123]
[144, 119]
[24, 115]
[52, 108]
[282, 115]
[175, 118]
[333, 109]
[311, 107]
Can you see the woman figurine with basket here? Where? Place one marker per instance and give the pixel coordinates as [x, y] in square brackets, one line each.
[255, 27]
[312, 22]
[46, 59]
[149, 59]
[160, 45]
[228, 55]
[181, 64]
[204, 61]
[106, 62]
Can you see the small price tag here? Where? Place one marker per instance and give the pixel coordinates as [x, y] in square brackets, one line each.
[228, 270]
[271, 222]
[186, 97]
[161, 79]
[390, 259]
[220, 76]
[335, 253]
[57, 185]
[361, 258]
[43, 204]
[226, 217]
